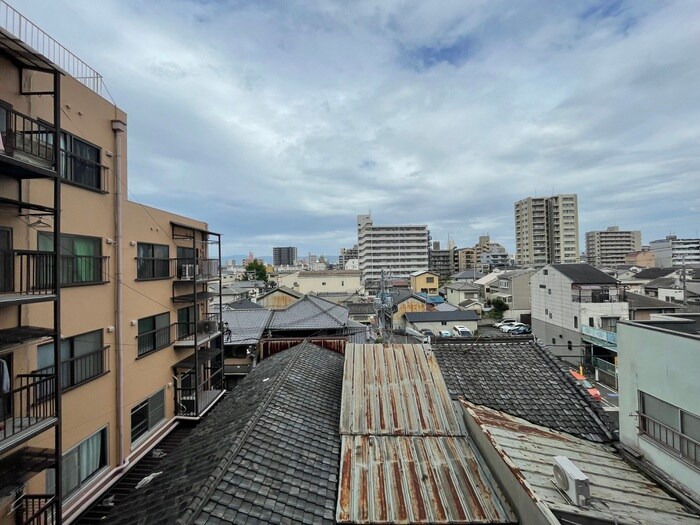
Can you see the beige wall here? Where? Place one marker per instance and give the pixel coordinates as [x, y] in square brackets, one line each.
[325, 281]
[420, 283]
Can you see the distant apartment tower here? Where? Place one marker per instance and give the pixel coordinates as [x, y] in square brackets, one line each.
[346, 255]
[284, 256]
[443, 262]
[546, 230]
[609, 247]
[673, 252]
[398, 250]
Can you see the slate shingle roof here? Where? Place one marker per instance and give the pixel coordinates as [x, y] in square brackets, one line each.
[582, 273]
[522, 379]
[654, 273]
[268, 453]
[244, 304]
[310, 313]
[246, 326]
[637, 301]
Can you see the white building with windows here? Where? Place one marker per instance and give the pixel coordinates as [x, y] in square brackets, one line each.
[658, 366]
[398, 250]
[673, 252]
[609, 247]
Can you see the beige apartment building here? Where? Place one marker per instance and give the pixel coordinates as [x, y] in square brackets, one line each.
[609, 247]
[546, 230]
[106, 338]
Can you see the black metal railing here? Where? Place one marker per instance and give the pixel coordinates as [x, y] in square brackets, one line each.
[28, 136]
[685, 447]
[30, 403]
[84, 269]
[154, 340]
[204, 328]
[37, 509]
[81, 369]
[193, 400]
[27, 272]
[190, 269]
[152, 268]
[82, 171]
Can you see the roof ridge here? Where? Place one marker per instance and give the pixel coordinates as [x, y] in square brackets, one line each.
[206, 489]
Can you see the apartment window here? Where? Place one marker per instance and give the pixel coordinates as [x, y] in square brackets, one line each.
[670, 426]
[80, 162]
[591, 322]
[146, 415]
[430, 279]
[81, 259]
[575, 321]
[82, 359]
[185, 322]
[569, 345]
[154, 333]
[152, 261]
[545, 272]
[81, 463]
[543, 286]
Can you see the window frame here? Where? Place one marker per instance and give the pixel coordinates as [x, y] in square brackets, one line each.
[151, 424]
[152, 262]
[96, 269]
[65, 459]
[141, 351]
[69, 158]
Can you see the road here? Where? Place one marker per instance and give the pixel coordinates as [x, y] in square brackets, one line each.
[608, 395]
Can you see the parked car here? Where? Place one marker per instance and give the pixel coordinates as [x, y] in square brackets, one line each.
[510, 326]
[461, 331]
[521, 330]
[445, 333]
[505, 320]
[427, 331]
[585, 383]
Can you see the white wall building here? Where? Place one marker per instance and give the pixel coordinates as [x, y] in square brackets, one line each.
[674, 252]
[328, 281]
[398, 250]
[660, 394]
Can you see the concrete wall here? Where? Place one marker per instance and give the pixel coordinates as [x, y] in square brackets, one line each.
[663, 364]
[334, 282]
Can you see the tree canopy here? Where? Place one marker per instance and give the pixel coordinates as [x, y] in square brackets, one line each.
[256, 270]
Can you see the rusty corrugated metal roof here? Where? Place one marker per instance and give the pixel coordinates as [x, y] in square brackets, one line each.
[405, 455]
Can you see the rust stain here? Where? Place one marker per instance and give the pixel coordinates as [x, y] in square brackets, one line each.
[414, 483]
[345, 482]
[431, 483]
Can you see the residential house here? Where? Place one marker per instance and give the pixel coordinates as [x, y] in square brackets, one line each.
[513, 287]
[425, 281]
[279, 298]
[461, 291]
[575, 308]
[331, 281]
[403, 301]
[470, 275]
[659, 393]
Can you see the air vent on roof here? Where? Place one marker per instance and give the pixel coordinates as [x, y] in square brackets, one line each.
[570, 480]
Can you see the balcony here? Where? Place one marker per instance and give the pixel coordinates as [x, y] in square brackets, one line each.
[192, 400]
[27, 276]
[37, 509]
[195, 270]
[200, 332]
[150, 268]
[28, 409]
[154, 340]
[78, 370]
[26, 145]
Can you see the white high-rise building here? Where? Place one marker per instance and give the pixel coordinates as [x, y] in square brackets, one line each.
[609, 247]
[546, 230]
[673, 252]
[398, 250]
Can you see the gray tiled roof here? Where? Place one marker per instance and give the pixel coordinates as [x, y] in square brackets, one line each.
[246, 325]
[654, 273]
[310, 313]
[662, 282]
[244, 304]
[582, 273]
[522, 379]
[637, 301]
[268, 453]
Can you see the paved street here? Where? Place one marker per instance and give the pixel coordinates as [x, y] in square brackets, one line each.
[609, 396]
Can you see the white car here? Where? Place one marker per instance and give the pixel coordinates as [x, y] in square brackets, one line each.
[508, 327]
[445, 333]
[461, 331]
[505, 321]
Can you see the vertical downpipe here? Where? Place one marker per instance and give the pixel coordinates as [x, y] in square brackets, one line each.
[119, 127]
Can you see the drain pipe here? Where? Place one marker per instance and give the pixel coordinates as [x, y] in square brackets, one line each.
[119, 128]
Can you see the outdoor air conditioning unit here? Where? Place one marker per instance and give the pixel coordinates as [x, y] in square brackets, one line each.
[569, 479]
[187, 272]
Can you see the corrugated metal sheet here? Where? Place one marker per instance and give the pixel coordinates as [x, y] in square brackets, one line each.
[626, 493]
[415, 479]
[395, 390]
[405, 457]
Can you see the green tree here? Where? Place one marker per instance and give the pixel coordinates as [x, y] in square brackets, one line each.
[499, 307]
[256, 270]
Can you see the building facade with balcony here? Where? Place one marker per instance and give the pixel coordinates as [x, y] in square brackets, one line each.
[659, 393]
[284, 256]
[610, 247]
[673, 252]
[106, 337]
[565, 298]
[546, 230]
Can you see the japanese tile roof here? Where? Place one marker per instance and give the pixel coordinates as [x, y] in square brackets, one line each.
[310, 313]
[522, 379]
[654, 273]
[435, 316]
[267, 453]
[247, 326]
[463, 285]
[662, 282]
[626, 494]
[583, 273]
[638, 301]
[360, 308]
[244, 304]
[284, 290]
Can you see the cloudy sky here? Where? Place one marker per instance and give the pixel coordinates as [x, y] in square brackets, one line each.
[279, 121]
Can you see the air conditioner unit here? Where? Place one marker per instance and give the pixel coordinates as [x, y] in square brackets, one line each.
[570, 480]
[187, 272]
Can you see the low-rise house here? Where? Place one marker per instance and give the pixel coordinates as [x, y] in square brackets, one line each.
[665, 288]
[513, 287]
[643, 307]
[425, 281]
[458, 292]
[279, 298]
[487, 283]
[403, 301]
[437, 321]
[469, 275]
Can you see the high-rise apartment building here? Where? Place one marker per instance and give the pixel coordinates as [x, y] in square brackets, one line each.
[484, 255]
[609, 247]
[346, 255]
[284, 256]
[546, 230]
[106, 334]
[673, 252]
[398, 250]
[444, 262]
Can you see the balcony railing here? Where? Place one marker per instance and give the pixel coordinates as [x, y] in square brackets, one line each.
[152, 268]
[81, 369]
[26, 272]
[26, 138]
[597, 298]
[84, 269]
[82, 171]
[37, 509]
[205, 329]
[28, 405]
[683, 446]
[154, 340]
[192, 401]
[188, 269]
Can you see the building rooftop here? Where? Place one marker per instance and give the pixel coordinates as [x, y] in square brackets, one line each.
[462, 286]
[640, 302]
[522, 379]
[310, 312]
[284, 290]
[247, 326]
[438, 316]
[582, 273]
[653, 273]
